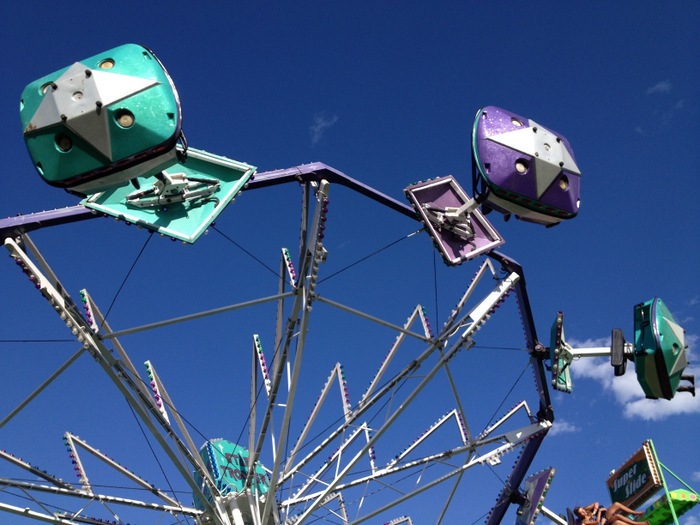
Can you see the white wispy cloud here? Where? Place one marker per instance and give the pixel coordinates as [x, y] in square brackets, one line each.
[695, 476]
[627, 391]
[689, 520]
[665, 115]
[664, 86]
[561, 426]
[589, 343]
[320, 125]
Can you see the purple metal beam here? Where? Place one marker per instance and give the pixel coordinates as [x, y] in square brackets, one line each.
[522, 465]
[316, 171]
[537, 351]
[13, 226]
[537, 355]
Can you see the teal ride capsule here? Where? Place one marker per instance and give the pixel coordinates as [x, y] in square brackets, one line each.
[102, 121]
[660, 356]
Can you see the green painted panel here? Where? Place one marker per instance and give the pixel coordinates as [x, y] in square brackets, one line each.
[659, 513]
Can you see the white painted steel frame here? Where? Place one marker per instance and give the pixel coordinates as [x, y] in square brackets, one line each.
[457, 334]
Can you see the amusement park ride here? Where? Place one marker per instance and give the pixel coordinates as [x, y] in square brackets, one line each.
[109, 130]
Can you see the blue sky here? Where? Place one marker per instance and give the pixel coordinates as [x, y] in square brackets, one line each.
[385, 92]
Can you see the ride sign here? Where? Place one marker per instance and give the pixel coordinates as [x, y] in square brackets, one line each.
[227, 463]
[637, 479]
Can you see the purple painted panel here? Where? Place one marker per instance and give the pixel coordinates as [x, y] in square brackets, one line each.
[536, 487]
[441, 193]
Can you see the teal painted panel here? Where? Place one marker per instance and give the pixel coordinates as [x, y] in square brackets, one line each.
[560, 357]
[185, 221]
